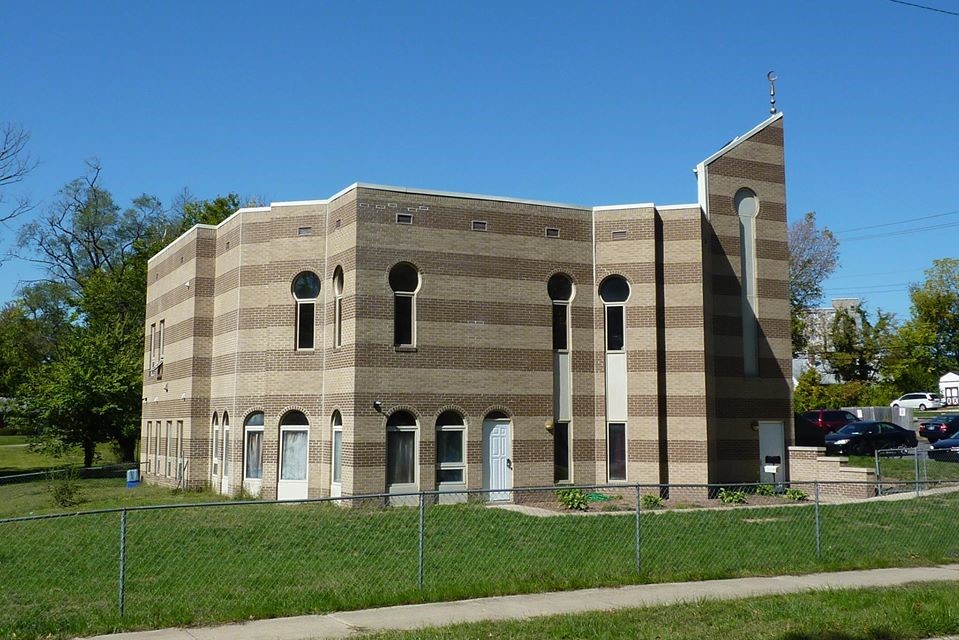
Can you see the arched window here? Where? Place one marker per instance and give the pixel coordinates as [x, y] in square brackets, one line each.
[404, 281]
[253, 449]
[337, 306]
[747, 208]
[450, 446]
[336, 424]
[226, 446]
[215, 449]
[306, 289]
[560, 289]
[401, 449]
[294, 441]
[614, 292]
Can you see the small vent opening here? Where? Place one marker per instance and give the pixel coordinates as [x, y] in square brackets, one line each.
[404, 218]
[619, 235]
[552, 232]
[479, 225]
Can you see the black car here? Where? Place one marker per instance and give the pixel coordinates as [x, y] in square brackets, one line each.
[940, 427]
[862, 438]
[946, 449]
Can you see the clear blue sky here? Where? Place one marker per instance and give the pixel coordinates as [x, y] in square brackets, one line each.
[587, 103]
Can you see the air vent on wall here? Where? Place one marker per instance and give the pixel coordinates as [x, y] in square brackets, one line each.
[619, 235]
[404, 218]
[479, 225]
[552, 232]
[304, 231]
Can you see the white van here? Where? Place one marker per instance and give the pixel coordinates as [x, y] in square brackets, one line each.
[921, 401]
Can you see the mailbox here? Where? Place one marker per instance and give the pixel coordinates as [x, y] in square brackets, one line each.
[771, 464]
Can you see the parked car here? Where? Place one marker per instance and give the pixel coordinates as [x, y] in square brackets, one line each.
[863, 438]
[921, 401]
[946, 449]
[828, 420]
[940, 427]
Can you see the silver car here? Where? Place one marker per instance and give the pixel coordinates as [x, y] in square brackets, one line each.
[921, 401]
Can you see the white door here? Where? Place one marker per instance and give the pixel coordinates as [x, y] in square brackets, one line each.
[497, 465]
[293, 459]
[772, 452]
[225, 461]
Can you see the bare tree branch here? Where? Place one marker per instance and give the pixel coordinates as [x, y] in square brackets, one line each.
[15, 164]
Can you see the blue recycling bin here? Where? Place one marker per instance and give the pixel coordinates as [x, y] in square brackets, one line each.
[133, 478]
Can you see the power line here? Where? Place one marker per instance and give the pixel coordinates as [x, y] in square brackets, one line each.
[903, 232]
[922, 6]
[890, 224]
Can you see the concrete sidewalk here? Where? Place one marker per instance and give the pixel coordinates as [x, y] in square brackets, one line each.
[351, 623]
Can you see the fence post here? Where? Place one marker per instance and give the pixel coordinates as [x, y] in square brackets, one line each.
[878, 473]
[639, 556]
[422, 513]
[915, 456]
[123, 557]
[818, 532]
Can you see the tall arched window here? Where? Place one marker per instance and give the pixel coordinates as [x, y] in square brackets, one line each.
[450, 447]
[614, 292]
[747, 207]
[401, 450]
[560, 290]
[253, 446]
[226, 451]
[215, 449]
[405, 281]
[338, 306]
[336, 476]
[306, 289]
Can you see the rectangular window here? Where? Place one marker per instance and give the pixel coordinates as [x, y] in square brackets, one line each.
[145, 445]
[404, 218]
[226, 450]
[479, 225]
[616, 439]
[337, 455]
[153, 346]
[254, 454]
[552, 232]
[293, 445]
[747, 240]
[560, 326]
[450, 466]
[400, 457]
[615, 328]
[168, 453]
[216, 451]
[179, 449]
[561, 452]
[338, 322]
[156, 448]
[162, 323]
[403, 321]
[304, 325]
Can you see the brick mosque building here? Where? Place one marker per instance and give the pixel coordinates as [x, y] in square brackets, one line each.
[392, 339]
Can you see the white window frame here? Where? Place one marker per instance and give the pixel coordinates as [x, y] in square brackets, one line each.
[569, 453]
[336, 427]
[153, 331]
[215, 449]
[749, 283]
[161, 332]
[606, 308]
[300, 302]
[247, 430]
[338, 283]
[452, 466]
[147, 441]
[406, 487]
[179, 450]
[166, 458]
[412, 297]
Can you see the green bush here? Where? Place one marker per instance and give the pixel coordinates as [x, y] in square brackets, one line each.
[796, 494]
[573, 499]
[765, 490]
[731, 496]
[64, 487]
[650, 501]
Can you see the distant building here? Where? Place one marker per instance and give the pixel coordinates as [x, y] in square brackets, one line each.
[819, 323]
[389, 339]
[949, 388]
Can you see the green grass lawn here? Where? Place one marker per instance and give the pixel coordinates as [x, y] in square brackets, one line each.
[905, 612]
[34, 498]
[202, 565]
[20, 459]
[904, 469]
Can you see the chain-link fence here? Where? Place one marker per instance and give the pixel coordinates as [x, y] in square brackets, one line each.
[914, 468]
[192, 564]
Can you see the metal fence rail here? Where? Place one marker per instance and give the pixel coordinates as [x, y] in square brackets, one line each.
[180, 564]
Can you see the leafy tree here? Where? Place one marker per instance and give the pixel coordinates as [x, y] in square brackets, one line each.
[813, 257]
[927, 345]
[857, 345]
[31, 328]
